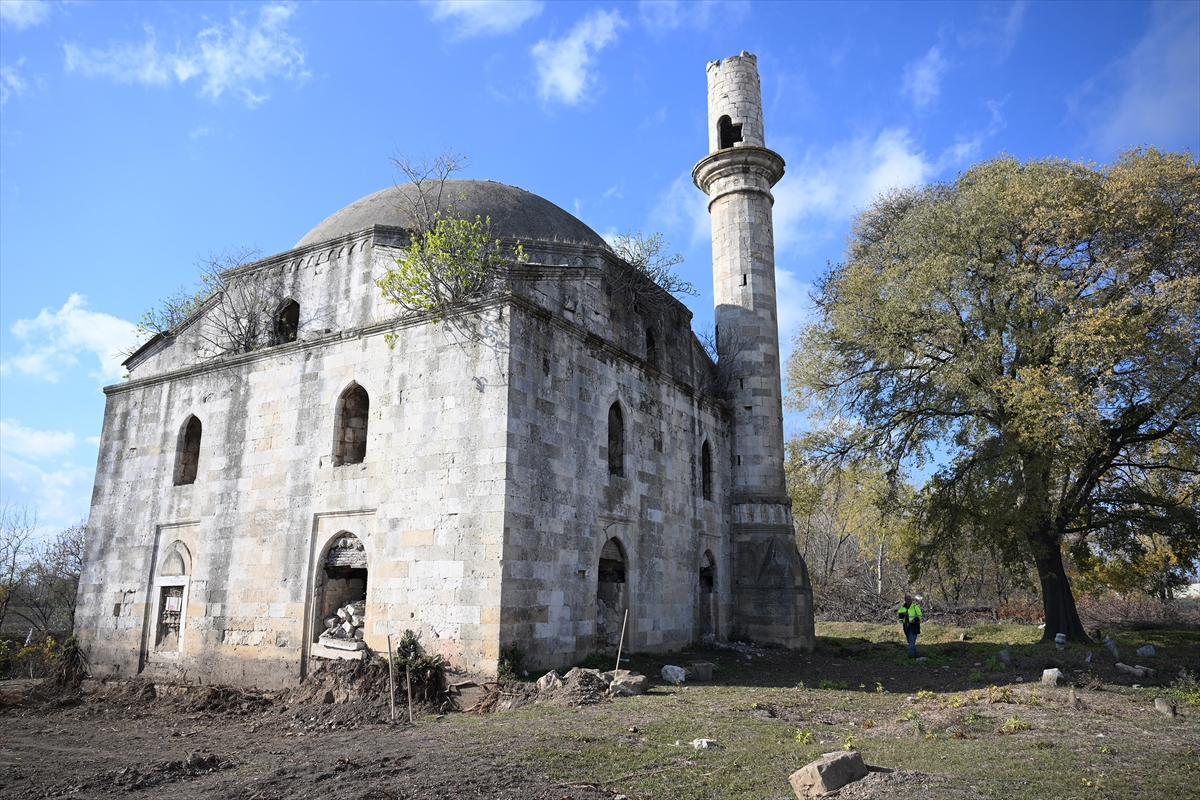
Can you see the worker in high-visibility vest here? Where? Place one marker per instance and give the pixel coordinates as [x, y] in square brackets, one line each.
[910, 619]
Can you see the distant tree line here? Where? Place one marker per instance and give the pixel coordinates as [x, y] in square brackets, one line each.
[39, 580]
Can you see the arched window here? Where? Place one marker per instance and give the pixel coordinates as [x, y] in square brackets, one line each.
[651, 347]
[706, 467]
[616, 441]
[728, 132]
[350, 446]
[187, 458]
[287, 323]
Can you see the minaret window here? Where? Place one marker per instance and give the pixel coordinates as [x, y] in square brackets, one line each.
[729, 132]
[188, 457]
[616, 441]
[350, 446]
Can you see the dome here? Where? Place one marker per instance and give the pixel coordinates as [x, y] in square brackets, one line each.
[514, 212]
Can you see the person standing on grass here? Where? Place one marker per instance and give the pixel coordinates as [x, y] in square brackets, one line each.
[910, 619]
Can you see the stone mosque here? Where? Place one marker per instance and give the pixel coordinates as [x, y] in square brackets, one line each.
[541, 466]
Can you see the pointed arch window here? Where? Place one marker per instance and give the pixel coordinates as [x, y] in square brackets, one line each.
[350, 445]
[616, 441]
[187, 458]
[651, 347]
[706, 471]
[286, 323]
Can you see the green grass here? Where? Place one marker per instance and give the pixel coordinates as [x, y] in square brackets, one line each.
[1019, 741]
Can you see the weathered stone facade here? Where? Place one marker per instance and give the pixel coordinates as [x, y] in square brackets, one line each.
[520, 472]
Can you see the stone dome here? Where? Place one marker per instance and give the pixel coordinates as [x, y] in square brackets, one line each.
[514, 212]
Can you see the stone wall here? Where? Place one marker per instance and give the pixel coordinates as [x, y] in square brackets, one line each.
[482, 502]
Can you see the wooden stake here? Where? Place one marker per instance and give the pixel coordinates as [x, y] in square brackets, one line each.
[408, 680]
[621, 643]
[391, 679]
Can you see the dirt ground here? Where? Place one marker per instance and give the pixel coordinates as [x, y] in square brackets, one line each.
[767, 709]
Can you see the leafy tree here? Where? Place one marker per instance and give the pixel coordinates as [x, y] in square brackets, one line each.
[847, 529]
[1034, 326]
[449, 259]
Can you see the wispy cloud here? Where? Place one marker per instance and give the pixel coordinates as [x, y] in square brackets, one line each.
[22, 14]
[663, 16]
[683, 210]
[822, 191]
[482, 17]
[236, 58]
[11, 82]
[60, 492]
[56, 341]
[34, 444]
[1152, 94]
[564, 66]
[923, 78]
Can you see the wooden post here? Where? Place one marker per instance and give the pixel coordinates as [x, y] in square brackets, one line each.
[408, 680]
[621, 643]
[391, 679]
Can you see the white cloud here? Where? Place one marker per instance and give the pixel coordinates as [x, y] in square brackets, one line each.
[55, 341]
[22, 14]
[1157, 96]
[230, 58]
[923, 78]
[15, 438]
[824, 190]
[564, 65]
[61, 495]
[663, 16]
[684, 208]
[475, 17]
[11, 82]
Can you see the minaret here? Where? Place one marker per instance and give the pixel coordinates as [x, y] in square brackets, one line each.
[772, 600]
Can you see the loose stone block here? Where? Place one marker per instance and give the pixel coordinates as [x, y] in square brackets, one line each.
[827, 774]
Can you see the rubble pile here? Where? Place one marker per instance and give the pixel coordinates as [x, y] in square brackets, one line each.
[344, 630]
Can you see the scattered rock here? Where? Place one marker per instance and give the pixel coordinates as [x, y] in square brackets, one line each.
[673, 674]
[549, 682]
[703, 744]
[1073, 700]
[827, 774]
[1006, 657]
[702, 670]
[1136, 671]
[624, 683]
[1164, 706]
[1053, 677]
[1112, 647]
[1147, 650]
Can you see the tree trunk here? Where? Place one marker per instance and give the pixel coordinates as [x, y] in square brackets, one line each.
[1057, 601]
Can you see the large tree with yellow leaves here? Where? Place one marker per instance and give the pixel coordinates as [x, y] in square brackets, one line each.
[1033, 328]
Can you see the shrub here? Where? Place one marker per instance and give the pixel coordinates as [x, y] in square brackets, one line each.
[1187, 688]
[426, 672]
[512, 663]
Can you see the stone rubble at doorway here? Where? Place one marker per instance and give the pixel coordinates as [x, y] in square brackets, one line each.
[345, 629]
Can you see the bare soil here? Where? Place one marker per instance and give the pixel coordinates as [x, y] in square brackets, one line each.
[929, 729]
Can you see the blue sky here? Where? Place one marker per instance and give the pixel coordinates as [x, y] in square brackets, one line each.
[136, 138]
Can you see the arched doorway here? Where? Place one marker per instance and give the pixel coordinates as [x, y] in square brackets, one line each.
[341, 593]
[706, 611]
[611, 597]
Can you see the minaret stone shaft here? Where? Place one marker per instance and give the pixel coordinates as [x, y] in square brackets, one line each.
[771, 595]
